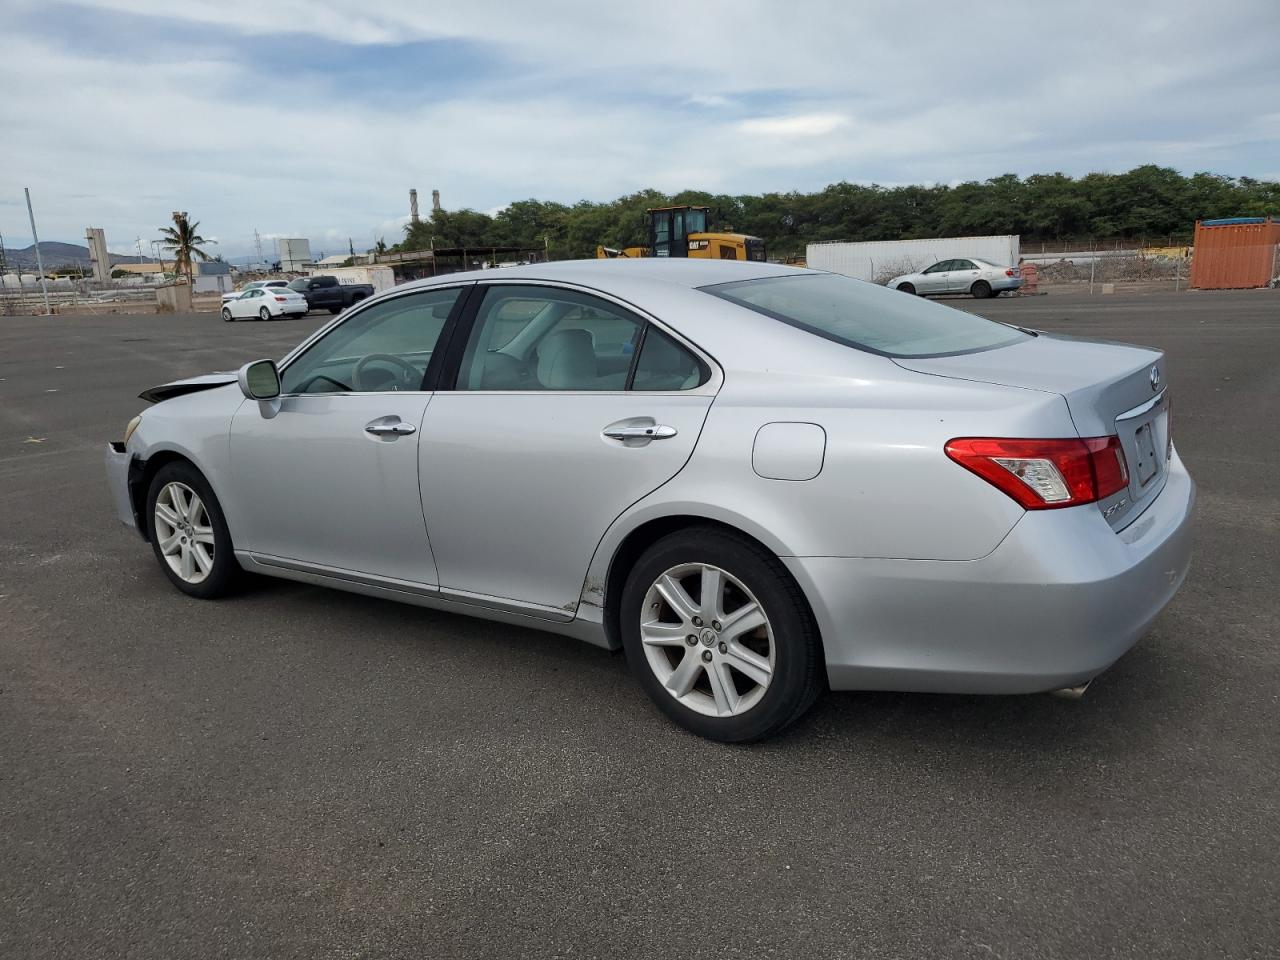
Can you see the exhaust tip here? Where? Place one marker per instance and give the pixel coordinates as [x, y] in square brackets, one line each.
[1071, 693]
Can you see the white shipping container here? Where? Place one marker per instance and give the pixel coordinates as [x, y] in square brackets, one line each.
[382, 278]
[880, 260]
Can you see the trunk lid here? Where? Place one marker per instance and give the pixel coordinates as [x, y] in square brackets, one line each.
[1110, 389]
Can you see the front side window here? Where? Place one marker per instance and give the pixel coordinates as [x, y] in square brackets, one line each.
[866, 316]
[546, 338]
[963, 265]
[939, 267]
[696, 221]
[385, 347]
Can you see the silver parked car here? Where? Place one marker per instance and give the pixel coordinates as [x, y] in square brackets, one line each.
[758, 480]
[972, 276]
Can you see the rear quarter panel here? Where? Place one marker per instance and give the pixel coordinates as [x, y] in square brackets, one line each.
[886, 488]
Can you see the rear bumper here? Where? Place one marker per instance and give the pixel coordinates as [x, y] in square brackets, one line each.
[1006, 283]
[1061, 599]
[117, 462]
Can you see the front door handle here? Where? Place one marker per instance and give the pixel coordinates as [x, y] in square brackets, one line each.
[389, 427]
[639, 431]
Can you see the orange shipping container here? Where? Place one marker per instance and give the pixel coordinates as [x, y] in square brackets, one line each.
[1235, 254]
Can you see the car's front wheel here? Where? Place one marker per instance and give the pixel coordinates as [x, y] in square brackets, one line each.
[188, 532]
[719, 635]
[907, 288]
[227, 314]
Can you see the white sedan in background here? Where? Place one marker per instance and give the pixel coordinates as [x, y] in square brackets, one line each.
[254, 285]
[266, 303]
[975, 277]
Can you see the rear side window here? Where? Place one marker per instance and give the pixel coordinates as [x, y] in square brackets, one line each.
[866, 316]
[665, 365]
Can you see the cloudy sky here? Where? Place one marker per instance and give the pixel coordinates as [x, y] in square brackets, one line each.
[313, 118]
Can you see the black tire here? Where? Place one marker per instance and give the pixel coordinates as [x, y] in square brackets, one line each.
[225, 571]
[264, 313]
[980, 290]
[798, 676]
[226, 315]
[907, 288]
[335, 310]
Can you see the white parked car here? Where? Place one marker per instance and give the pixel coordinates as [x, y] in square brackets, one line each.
[254, 285]
[266, 303]
[975, 277]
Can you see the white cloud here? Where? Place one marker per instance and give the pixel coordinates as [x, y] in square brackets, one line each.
[709, 100]
[802, 125]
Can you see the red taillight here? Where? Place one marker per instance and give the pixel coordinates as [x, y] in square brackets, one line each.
[1008, 273]
[1044, 474]
[280, 299]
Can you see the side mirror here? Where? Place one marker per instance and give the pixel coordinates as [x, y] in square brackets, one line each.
[260, 380]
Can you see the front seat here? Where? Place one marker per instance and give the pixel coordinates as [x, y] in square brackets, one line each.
[566, 361]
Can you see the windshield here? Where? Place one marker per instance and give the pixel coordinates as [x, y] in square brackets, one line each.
[695, 221]
[866, 316]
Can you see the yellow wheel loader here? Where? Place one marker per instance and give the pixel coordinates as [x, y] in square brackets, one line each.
[682, 232]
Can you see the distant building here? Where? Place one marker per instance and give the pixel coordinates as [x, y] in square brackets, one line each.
[338, 260]
[295, 255]
[213, 276]
[97, 240]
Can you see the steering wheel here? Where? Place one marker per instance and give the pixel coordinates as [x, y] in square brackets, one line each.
[412, 373]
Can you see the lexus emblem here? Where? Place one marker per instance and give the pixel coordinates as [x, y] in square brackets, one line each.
[1155, 378]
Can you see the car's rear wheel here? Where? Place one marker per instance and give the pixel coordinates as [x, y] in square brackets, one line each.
[188, 532]
[335, 310]
[264, 313]
[981, 289]
[719, 636]
[227, 314]
[907, 288]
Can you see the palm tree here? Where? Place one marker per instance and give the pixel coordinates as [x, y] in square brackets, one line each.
[184, 243]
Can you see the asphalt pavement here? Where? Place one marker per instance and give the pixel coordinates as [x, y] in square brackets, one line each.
[299, 772]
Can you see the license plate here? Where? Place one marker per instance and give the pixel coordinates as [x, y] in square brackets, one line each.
[1147, 464]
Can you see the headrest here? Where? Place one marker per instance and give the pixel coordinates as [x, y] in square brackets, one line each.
[566, 361]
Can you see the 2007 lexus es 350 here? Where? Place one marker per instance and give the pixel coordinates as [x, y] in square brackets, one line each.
[759, 481]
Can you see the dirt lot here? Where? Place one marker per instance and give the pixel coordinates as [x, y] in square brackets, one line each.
[305, 773]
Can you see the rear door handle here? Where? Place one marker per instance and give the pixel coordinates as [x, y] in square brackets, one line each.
[389, 427]
[639, 431]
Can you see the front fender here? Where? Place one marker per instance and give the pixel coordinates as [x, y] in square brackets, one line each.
[195, 427]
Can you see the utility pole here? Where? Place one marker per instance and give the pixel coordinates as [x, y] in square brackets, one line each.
[257, 243]
[139, 249]
[44, 287]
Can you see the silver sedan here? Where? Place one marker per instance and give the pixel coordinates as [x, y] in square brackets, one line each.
[975, 277]
[759, 481]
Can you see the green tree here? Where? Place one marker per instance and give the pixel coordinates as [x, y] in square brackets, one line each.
[184, 243]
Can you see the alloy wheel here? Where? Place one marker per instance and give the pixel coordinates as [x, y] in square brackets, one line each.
[184, 532]
[707, 640]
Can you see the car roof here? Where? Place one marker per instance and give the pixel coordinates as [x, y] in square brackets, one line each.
[660, 270]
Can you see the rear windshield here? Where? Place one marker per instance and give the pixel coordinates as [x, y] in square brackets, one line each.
[866, 316]
[300, 284]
